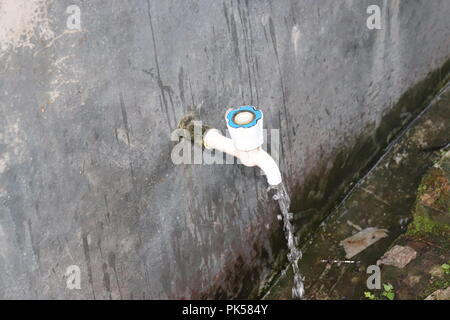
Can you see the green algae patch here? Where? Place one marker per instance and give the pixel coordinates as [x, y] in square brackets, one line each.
[423, 225]
[431, 215]
[436, 284]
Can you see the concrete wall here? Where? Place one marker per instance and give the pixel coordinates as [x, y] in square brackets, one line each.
[85, 172]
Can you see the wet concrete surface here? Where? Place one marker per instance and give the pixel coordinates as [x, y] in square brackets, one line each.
[418, 264]
[423, 275]
[384, 198]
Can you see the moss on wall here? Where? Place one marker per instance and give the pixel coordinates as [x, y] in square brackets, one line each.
[324, 188]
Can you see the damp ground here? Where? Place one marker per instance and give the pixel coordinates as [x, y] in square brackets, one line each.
[398, 211]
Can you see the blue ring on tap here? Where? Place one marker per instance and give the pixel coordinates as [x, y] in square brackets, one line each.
[256, 113]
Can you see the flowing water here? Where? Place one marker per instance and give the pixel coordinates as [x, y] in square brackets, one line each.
[294, 253]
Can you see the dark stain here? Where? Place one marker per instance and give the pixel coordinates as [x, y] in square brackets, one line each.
[225, 13]
[87, 258]
[286, 23]
[112, 264]
[149, 72]
[127, 131]
[252, 56]
[265, 33]
[117, 140]
[283, 159]
[161, 85]
[161, 104]
[125, 117]
[283, 92]
[34, 244]
[15, 202]
[192, 93]
[273, 36]
[99, 245]
[108, 213]
[243, 16]
[133, 178]
[181, 86]
[235, 39]
[36, 207]
[106, 280]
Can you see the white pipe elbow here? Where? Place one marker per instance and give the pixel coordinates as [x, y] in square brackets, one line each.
[213, 139]
[268, 165]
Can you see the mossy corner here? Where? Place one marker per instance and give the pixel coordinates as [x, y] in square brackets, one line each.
[431, 215]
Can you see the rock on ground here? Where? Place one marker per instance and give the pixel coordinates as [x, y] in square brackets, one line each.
[398, 256]
[441, 294]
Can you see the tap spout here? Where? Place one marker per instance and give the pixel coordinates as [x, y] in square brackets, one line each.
[213, 139]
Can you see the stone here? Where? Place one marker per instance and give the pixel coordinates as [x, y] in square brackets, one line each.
[360, 241]
[398, 256]
[441, 294]
[437, 271]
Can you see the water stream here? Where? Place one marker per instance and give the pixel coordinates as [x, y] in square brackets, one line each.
[294, 254]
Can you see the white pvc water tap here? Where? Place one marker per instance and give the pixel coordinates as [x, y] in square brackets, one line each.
[245, 125]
